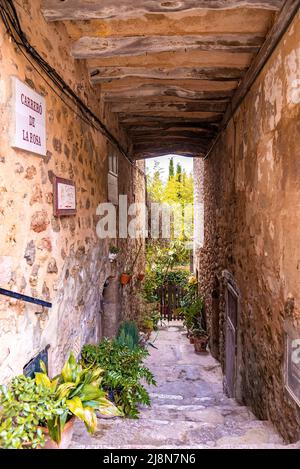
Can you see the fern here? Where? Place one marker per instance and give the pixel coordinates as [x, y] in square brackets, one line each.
[123, 372]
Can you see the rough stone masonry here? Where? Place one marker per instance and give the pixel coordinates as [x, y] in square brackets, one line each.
[57, 259]
[251, 218]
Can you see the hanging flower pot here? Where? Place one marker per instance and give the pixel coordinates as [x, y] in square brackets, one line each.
[113, 253]
[112, 256]
[125, 278]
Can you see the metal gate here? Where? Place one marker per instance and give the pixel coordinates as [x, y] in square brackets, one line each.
[170, 296]
[231, 342]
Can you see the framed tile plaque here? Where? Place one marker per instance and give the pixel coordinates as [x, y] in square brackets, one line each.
[64, 197]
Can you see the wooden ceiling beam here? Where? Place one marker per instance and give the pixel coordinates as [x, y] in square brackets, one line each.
[55, 10]
[177, 59]
[97, 47]
[134, 84]
[159, 90]
[198, 22]
[171, 134]
[169, 106]
[169, 117]
[142, 155]
[199, 119]
[108, 74]
[144, 129]
[141, 152]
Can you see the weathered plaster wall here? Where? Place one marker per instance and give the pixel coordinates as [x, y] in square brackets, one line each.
[57, 259]
[252, 229]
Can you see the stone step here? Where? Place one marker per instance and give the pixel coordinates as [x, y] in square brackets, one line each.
[189, 408]
[161, 398]
[239, 446]
[160, 433]
[198, 413]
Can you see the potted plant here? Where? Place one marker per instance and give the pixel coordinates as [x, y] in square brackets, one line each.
[124, 372]
[28, 412]
[40, 412]
[113, 253]
[200, 339]
[125, 277]
[191, 338]
[80, 387]
[147, 327]
[141, 277]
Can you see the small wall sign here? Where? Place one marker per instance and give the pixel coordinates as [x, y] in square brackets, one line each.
[64, 199]
[29, 119]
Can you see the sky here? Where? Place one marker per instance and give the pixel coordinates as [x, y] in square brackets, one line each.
[186, 164]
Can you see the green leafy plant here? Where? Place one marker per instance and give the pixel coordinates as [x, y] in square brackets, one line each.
[156, 278]
[26, 407]
[192, 307]
[123, 373]
[81, 391]
[114, 250]
[155, 317]
[29, 404]
[128, 334]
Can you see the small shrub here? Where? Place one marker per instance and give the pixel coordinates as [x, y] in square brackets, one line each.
[123, 372]
[25, 408]
[128, 334]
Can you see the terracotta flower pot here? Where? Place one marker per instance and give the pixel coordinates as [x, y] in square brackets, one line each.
[125, 278]
[66, 436]
[141, 277]
[200, 344]
[192, 339]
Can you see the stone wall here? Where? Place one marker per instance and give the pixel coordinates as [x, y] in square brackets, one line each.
[252, 229]
[57, 259]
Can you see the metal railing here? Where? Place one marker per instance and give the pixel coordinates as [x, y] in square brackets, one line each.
[27, 299]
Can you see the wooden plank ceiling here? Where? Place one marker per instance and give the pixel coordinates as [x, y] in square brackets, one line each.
[168, 69]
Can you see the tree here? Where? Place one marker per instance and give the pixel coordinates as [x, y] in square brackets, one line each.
[179, 172]
[178, 190]
[171, 168]
[155, 186]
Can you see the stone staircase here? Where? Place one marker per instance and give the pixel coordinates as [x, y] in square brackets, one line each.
[189, 408]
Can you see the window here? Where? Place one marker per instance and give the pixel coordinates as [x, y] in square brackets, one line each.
[112, 177]
[113, 163]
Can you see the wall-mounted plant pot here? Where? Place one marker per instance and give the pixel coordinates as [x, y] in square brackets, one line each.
[200, 344]
[125, 278]
[66, 436]
[112, 256]
[141, 277]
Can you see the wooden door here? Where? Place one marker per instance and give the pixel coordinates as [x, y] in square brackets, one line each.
[231, 341]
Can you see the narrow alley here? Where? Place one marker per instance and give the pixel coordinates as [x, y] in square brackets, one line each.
[189, 408]
[149, 174]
